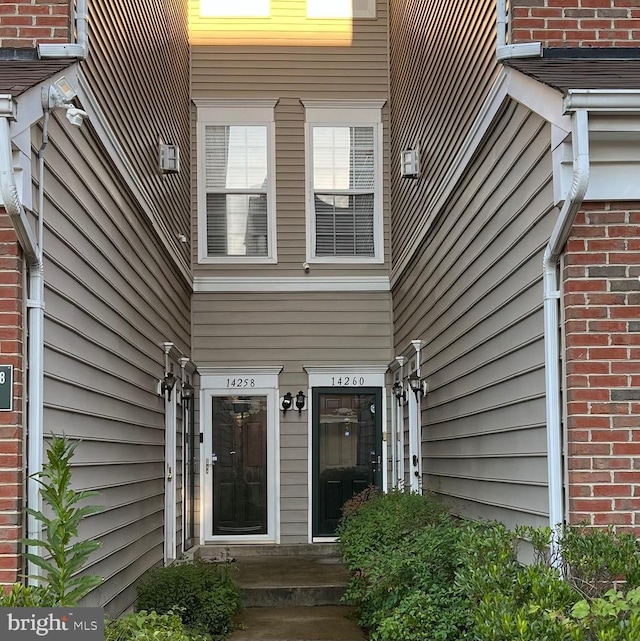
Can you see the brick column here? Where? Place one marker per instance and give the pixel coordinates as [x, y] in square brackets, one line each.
[11, 428]
[602, 331]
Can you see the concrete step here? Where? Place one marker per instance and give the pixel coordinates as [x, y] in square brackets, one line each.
[284, 581]
[229, 552]
[324, 623]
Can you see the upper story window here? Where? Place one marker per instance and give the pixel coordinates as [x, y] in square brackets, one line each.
[236, 189]
[344, 181]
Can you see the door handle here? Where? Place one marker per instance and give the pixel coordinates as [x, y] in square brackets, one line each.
[169, 474]
[415, 460]
[206, 469]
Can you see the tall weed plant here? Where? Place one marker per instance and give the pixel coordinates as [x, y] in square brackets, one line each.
[63, 554]
[420, 574]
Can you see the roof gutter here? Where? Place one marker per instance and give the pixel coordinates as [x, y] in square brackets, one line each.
[77, 49]
[8, 188]
[551, 287]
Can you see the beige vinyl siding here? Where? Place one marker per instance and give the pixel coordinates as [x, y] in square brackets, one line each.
[138, 68]
[292, 330]
[291, 74]
[442, 64]
[112, 297]
[479, 311]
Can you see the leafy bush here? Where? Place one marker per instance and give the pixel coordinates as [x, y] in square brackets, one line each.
[204, 594]
[420, 574]
[23, 596]
[149, 626]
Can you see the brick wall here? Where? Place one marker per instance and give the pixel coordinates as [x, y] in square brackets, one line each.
[26, 23]
[11, 434]
[602, 333]
[576, 23]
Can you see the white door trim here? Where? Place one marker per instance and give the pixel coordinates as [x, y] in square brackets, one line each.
[328, 376]
[170, 479]
[260, 381]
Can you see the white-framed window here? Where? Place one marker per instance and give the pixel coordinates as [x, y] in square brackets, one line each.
[236, 181]
[344, 181]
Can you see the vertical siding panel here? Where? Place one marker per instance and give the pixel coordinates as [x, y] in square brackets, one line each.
[112, 296]
[138, 68]
[442, 64]
[480, 312]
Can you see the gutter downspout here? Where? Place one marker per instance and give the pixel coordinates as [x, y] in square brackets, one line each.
[35, 310]
[552, 255]
[505, 50]
[77, 49]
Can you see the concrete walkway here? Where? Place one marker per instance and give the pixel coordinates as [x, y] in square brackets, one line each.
[298, 623]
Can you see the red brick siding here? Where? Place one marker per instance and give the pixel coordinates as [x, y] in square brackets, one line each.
[27, 23]
[576, 23]
[602, 333]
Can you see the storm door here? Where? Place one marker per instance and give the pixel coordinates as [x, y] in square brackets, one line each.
[347, 450]
[239, 465]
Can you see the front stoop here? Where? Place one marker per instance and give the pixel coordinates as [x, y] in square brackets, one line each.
[290, 593]
[282, 576]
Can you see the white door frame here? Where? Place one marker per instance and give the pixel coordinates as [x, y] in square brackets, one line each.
[260, 381]
[327, 376]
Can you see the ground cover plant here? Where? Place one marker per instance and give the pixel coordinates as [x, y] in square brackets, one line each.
[419, 574]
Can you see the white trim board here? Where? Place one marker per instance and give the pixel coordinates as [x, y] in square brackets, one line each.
[204, 284]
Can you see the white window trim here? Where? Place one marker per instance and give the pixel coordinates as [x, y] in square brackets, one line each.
[347, 113]
[236, 112]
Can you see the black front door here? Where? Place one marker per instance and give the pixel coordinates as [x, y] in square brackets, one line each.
[347, 448]
[239, 465]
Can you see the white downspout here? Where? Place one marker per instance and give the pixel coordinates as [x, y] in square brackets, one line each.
[415, 439]
[503, 48]
[552, 254]
[35, 307]
[77, 49]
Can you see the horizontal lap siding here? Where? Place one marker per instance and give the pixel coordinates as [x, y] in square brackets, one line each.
[479, 312]
[111, 298]
[292, 330]
[442, 64]
[291, 74]
[138, 68]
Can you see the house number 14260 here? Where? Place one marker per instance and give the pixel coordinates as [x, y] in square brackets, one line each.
[347, 380]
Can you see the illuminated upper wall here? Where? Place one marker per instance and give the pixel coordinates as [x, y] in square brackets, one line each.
[276, 22]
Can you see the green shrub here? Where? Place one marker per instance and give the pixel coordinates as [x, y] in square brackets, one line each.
[204, 594]
[149, 626]
[23, 596]
[419, 574]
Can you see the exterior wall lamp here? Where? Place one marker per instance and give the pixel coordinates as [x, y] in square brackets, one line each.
[418, 386]
[187, 394]
[167, 384]
[287, 402]
[300, 401]
[399, 393]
